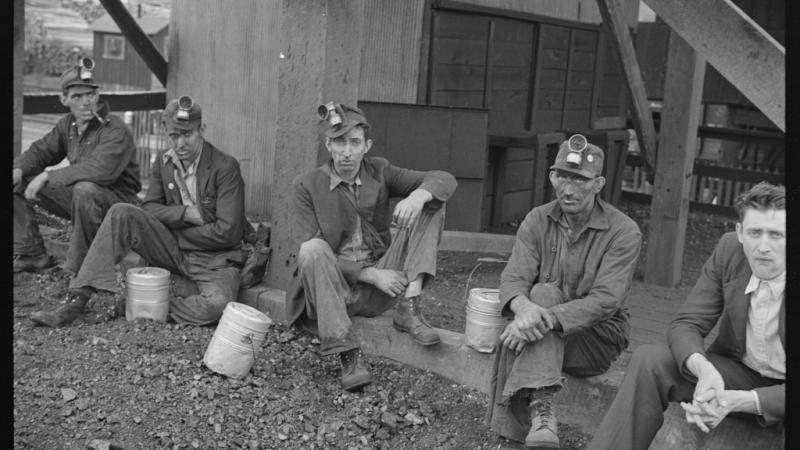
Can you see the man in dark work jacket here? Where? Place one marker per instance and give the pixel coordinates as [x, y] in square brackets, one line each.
[348, 264]
[103, 170]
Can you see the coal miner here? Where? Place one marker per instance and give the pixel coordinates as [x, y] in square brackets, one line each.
[569, 272]
[348, 263]
[743, 371]
[191, 223]
[103, 170]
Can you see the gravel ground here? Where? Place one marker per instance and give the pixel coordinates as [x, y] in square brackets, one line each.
[108, 383]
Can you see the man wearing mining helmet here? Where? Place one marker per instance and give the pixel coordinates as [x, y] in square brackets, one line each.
[103, 170]
[348, 263]
[191, 223]
[564, 285]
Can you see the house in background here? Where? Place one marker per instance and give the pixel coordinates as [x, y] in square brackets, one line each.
[119, 66]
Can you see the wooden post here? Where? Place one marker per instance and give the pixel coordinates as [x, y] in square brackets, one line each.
[322, 42]
[19, 82]
[734, 44]
[614, 20]
[683, 91]
[260, 70]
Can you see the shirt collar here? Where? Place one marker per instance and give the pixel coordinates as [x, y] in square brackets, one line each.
[776, 285]
[170, 155]
[597, 220]
[337, 180]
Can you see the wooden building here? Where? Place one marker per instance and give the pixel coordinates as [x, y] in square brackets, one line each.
[119, 66]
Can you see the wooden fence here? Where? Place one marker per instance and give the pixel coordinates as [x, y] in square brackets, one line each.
[713, 187]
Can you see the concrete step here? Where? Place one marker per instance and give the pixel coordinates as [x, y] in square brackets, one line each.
[582, 403]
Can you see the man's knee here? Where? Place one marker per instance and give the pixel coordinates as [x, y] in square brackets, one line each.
[313, 249]
[83, 191]
[546, 294]
[123, 211]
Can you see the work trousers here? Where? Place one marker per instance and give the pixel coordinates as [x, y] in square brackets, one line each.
[540, 364]
[331, 301]
[127, 227]
[651, 381]
[84, 203]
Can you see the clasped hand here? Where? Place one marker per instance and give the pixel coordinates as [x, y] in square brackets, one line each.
[711, 402]
[531, 323]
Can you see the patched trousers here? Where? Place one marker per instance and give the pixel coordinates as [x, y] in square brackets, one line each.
[126, 227]
[331, 301]
[540, 364]
[84, 203]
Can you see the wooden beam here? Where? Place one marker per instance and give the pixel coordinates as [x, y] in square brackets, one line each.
[683, 92]
[19, 52]
[138, 39]
[735, 45]
[614, 21]
[49, 103]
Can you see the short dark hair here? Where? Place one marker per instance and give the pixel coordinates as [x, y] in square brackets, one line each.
[762, 197]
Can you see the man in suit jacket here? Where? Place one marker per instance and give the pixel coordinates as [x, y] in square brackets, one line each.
[191, 223]
[741, 286]
[347, 261]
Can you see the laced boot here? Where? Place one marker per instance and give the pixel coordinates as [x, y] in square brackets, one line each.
[71, 309]
[32, 263]
[544, 426]
[408, 318]
[355, 373]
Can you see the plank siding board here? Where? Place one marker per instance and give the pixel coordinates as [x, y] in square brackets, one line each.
[462, 26]
[552, 79]
[458, 77]
[467, 99]
[513, 54]
[460, 51]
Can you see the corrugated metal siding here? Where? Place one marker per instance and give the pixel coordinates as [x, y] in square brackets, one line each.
[227, 60]
[391, 55]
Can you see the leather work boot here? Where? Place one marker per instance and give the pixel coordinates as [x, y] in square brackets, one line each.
[355, 373]
[32, 263]
[544, 426]
[71, 309]
[408, 318]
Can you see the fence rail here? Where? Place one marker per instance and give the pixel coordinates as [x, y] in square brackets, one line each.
[713, 187]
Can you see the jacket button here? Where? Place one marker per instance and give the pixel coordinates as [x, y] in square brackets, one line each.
[547, 277]
[553, 249]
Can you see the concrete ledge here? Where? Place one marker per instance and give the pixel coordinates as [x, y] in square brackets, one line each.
[583, 401]
[732, 432]
[465, 241]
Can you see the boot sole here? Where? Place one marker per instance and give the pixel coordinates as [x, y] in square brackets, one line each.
[36, 267]
[418, 341]
[357, 383]
[541, 444]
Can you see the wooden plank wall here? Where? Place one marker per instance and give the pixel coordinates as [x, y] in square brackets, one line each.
[391, 61]
[452, 139]
[234, 79]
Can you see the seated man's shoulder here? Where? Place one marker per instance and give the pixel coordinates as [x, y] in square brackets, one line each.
[221, 159]
[729, 242]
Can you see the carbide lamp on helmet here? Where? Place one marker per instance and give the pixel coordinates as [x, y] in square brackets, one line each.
[185, 104]
[577, 143]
